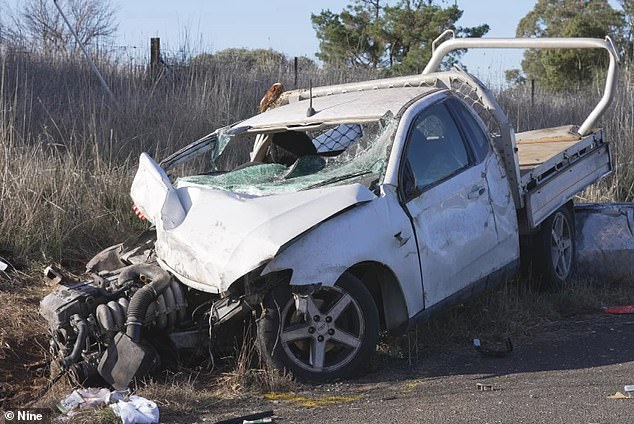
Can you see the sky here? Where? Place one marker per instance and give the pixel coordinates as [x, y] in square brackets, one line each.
[284, 25]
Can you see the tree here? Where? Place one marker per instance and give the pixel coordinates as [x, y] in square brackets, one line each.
[352, 37]
[4, 17]
[627, 41]
[261, 59]
[564, 69]
[411, 26]
[249, 59]
[371, 34]
[514, 77]
[40, 23]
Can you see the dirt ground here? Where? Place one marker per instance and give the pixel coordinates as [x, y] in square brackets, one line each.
[562, 375]
[564, 372]
[23, 343]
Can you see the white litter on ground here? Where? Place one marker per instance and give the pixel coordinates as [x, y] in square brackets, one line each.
[131, 409]
[84, 399]
[136, 410]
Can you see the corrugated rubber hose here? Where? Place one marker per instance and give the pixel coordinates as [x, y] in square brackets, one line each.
[80, 343]
[142, 299]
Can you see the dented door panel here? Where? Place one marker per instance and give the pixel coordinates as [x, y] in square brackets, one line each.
[456, 234]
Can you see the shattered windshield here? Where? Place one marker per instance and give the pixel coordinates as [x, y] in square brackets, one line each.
[292, 160]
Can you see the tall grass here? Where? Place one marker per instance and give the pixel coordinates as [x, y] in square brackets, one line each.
[67, 155]
[550, 109]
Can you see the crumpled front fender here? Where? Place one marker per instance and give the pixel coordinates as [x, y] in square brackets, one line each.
[378, 231]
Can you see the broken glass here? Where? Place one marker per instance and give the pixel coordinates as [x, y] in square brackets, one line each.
[364, 160]
[223, 139]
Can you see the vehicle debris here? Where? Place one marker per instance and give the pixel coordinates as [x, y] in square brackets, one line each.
[619, 395]
[486, 387]
[605, 241]
[490, 350]
[395, 199]
[132, 409]
[84, 400]
[617, 310]
[53, 275]
[136, 410]
[258, 421]
[251, 418]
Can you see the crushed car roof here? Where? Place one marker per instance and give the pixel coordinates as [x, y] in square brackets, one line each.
[355, 106]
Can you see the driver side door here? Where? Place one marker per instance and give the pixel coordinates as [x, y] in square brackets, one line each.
[443, 181]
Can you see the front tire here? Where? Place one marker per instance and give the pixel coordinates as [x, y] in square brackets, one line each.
[332, 341]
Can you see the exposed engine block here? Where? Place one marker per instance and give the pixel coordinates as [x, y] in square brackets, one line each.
[85, 317]
[117, 323]
[168, 309]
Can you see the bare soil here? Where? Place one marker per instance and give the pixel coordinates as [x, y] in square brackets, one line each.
[24, 362]
[568, 357]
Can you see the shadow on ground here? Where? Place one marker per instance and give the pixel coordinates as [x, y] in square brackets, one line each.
[579, 343]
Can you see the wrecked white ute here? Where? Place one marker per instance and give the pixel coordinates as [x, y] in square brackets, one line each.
[343, 212]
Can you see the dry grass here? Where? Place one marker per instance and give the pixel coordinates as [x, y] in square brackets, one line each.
[249, 372]
[60, 207]
[23, 341]
[67, 156]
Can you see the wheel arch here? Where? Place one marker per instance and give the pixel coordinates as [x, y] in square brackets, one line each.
[386, 292]
[362, 239]
[570, 204]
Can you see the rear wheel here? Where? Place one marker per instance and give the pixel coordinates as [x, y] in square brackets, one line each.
[333, 340]
[554, 249]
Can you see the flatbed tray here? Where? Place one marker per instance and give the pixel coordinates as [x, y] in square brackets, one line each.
[538, 146]
[556, 164]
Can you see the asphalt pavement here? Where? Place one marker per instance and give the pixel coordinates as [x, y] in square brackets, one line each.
[562, 375]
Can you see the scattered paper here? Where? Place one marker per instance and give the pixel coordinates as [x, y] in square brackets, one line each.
[136, 410]
[83, 400]
[131, 409]
[619, 395]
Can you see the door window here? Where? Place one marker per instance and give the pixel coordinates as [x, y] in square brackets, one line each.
[435, 151]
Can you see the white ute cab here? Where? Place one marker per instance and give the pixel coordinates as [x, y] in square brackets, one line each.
[360, 207]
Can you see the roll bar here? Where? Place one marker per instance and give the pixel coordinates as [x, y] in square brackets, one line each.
[439, 52]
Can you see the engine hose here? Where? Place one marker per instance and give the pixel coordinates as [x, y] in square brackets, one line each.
[143, 297]
[105, 318]
[117, 314]
[179, 298]
[170, 305]
[161, 315]
[82, 334]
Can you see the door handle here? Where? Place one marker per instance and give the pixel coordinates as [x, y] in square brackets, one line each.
[476, 192]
